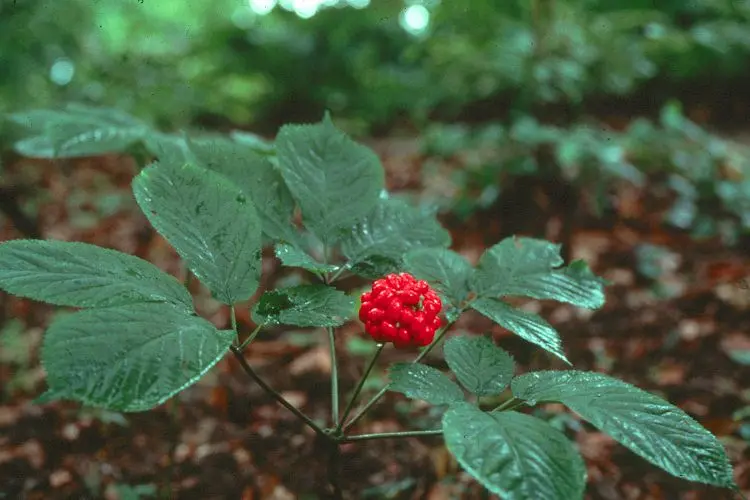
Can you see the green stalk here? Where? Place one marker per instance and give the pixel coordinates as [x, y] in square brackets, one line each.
[510, 404]
[278, 397]
[233, 316]
[334, 378]
[338, 274]
[384, 435]
[382, 392]
[252, 336]
[358, 389]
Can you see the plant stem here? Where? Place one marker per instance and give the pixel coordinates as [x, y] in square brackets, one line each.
[233, 316]
[358, 389]
[384, 435]
[510, 404]
[337, 274]
[332, 350]
[382, 392]
[252, 336]
[334, 470]
[334, 378]
[278, 397]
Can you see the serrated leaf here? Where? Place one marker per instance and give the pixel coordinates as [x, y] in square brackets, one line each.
[530, 267]
[375, 266]
[168, 148]
[335, 181]
[39, 120]
[257, 176]
[128, 358]
[294, 257]
[447, 271]
[528, 326]
[82, 275]
[387, 233]
[513, 455]
[209, 221]
[480, 366]
[78, 131]
[304, 305]
[651, 427]
[254, 141]
[243, 165]
[418, 381]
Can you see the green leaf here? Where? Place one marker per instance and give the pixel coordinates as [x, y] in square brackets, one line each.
[294, 257]
[528, 326]
[386, 234]
[651, 427]
[169, 148]
[304, 305]
[375, 266]
[513, 455]
[527, 267]
[82, 275]
[128, 358]
[244, 166]
[335, 181]
[418, 381]
[78, 131]
[258, 143]
[257, 177]
[480, 366]
[448, 272]
[209, 221]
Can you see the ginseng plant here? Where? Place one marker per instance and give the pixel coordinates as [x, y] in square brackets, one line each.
[136, 340]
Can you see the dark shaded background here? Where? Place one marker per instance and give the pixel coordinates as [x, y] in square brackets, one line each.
[614, 127]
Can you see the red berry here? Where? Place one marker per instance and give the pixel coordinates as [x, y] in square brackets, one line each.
[375, 315]
[388, 329]
[431, 307]
[417, 322]
[393, 313]
[384, 298]
[410, 297]
[401, 310]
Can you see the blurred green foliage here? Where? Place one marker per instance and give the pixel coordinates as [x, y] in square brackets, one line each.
[175, 61]
[707, 176]
[473, 76]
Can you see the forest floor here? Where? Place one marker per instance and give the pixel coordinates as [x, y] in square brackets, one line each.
[681, 333]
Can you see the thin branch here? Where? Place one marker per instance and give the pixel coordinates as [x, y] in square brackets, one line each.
[361, 383]
[278, 397]
[509, 404]
[382, 392]
[334, 377]
[384, 435]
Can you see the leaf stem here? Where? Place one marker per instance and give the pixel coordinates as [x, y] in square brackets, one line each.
[334, 377]
[278, 397]
[338, 273]
[233, 317]
[361, 383]
[382, 392]
[250, 338]
[510, 404]
[384, 435]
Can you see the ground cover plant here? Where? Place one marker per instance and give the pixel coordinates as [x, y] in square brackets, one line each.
[318, 198]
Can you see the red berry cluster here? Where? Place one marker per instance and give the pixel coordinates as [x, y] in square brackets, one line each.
[402, 310]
